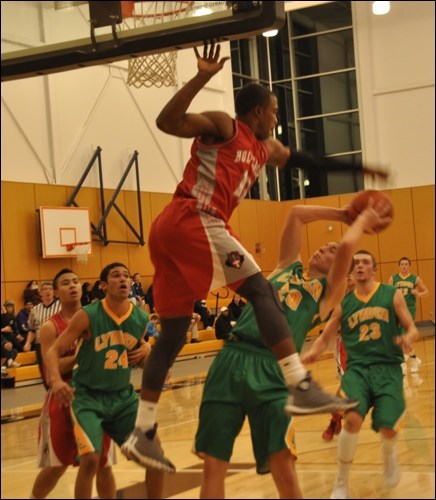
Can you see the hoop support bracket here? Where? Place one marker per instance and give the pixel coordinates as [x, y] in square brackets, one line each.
[104, 14]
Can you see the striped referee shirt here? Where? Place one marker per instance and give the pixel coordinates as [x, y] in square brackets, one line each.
[40, 314]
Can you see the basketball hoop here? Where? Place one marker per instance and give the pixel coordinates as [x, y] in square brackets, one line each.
[156, 69]
[82, 251]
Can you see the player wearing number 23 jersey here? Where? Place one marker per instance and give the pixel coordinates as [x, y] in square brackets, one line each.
[368, 328]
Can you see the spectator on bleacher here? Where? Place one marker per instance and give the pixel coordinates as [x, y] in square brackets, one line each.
[87, 297]
[10, 345]
[8, 355]
[97, 292]
[193, 328]
[9, 318]
[152, 330]
[131, 296]
[149, 298]
[224, 324]
[207, 318]
[23, 320]
[38, 316]
[236, 306]
[57, 448]
[31, 292]
[142, 304]
[137, 286]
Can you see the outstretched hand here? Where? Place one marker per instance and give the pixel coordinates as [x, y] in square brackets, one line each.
[375, 172]
[376, 215]
[210, 63]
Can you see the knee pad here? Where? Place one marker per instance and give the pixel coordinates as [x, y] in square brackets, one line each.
[258, 287]
[165, 351]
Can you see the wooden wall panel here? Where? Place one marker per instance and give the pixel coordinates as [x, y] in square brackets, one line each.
[234, 222]
[2, 266]
[116, 230]
[387, 270]
[426, 271]
[399, 238]
[139, 256]
[254, 221]
[423, 217]
[14, 291]
[20, 232]
[269, 233]
[116, 227]
[368, 242]
[282, 210]
[321, 232]
[158, 201]
[249, 227]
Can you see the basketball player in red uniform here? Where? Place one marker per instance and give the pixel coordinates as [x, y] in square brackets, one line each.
[194, 250]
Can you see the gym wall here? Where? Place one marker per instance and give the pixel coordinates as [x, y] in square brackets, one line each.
[258, 223]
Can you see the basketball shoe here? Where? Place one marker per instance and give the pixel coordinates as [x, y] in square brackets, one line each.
[144, 449]
[309, 398]
[340, 489]
[415, 363]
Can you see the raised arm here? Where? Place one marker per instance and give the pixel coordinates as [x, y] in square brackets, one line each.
[282, 157]
[290, 240]
[174, 119]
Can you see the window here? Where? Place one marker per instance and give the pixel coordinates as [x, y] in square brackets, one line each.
[310, 66]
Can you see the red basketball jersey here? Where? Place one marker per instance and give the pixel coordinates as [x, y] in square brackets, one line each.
[219, 176]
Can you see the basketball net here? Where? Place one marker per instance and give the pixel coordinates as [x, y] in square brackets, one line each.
[82, 251]
[157, 69]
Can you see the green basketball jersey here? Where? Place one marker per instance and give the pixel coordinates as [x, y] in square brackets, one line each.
[300, 298]
[406, 284]
[102, 362]
[369, 327]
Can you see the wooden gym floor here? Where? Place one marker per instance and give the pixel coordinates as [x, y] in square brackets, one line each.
[316, 465]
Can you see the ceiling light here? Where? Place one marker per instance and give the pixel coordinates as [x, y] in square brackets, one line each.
[202, 10]
[381, 8]
[270, 33]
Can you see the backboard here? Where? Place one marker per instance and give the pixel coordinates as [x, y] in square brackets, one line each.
[64, 230]
[45, 37]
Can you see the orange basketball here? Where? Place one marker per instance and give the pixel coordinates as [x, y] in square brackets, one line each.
[361, 200]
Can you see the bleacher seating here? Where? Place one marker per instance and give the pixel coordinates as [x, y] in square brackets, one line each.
[26, 358]
[29, 369]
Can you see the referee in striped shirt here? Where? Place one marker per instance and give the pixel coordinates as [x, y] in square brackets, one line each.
[49, 306]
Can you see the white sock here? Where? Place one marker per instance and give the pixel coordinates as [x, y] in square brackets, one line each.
[388, 446]
[347, 444]
[146, 417]
[293, 369]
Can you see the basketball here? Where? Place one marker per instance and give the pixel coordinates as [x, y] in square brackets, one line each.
[361, 200]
